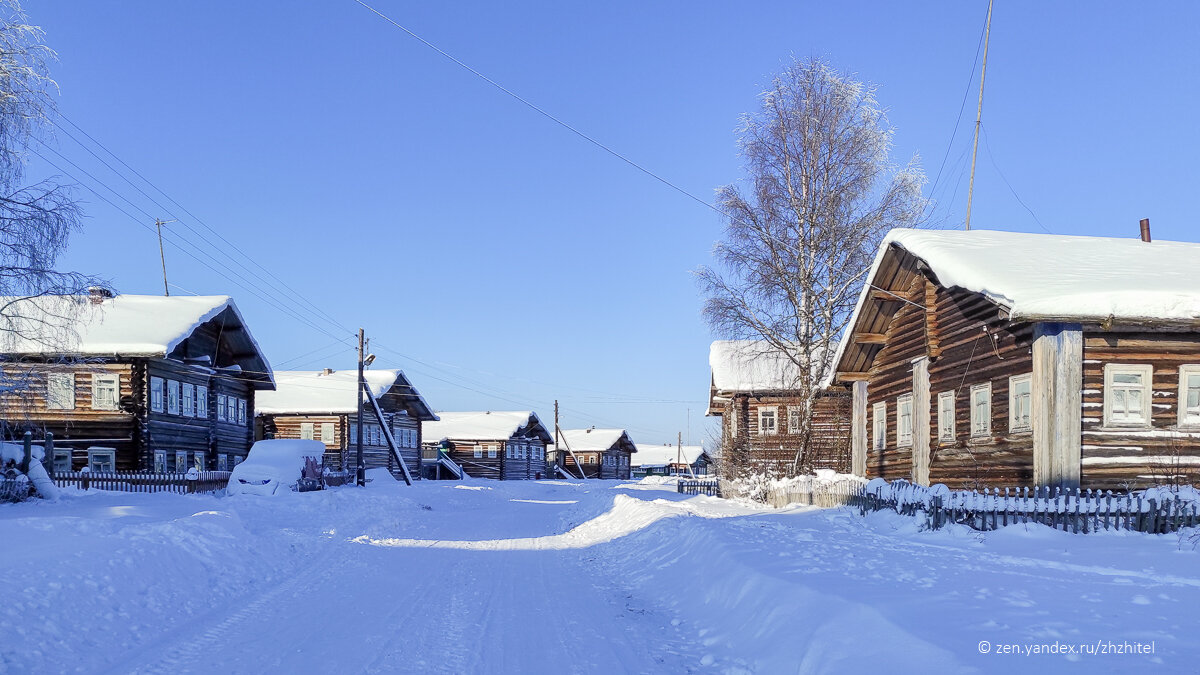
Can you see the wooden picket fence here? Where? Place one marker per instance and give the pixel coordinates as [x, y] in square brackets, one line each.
[1157, 511]
[121, 481]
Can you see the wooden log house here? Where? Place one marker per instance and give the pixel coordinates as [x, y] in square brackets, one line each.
[504, 445]
[132, 382]
[753, 390]
[981, 358]
[671, 460]
[602, 453]
[322, 405]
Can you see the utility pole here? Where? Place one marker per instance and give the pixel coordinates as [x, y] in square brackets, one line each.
[678, 452]
[361, 472]
[987, 34]
[158, 223]
[558, 460]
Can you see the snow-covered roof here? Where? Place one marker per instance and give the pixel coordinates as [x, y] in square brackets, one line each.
[301, 392]
[662, 455]
[124, 325]
[1072, 278]
[491, 425]
[750, 365]
[593, 440]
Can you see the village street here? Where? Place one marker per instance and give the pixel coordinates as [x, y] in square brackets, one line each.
[601, 576]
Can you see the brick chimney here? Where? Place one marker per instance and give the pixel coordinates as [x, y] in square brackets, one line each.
[1145, 224]
[98, 294]
[327, 371]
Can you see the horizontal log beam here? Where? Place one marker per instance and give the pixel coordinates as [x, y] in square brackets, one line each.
[870, 338]
[853, 377]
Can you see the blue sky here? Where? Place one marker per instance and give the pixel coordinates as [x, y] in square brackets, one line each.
[503, 262]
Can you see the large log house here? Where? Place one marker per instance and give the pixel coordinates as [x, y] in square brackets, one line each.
[1009, 359]
[602, 453]
[132, 382]
[491, 444]
[322, 405]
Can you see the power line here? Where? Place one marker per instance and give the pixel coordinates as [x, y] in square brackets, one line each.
[988, 146]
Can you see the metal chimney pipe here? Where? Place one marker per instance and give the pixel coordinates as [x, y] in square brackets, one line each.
[1145, 224]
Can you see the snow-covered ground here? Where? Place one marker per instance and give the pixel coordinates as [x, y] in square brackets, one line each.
[553, 577]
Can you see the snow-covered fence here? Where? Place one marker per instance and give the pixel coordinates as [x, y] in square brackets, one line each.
[182, 483]
[699, 487]
[14, 486]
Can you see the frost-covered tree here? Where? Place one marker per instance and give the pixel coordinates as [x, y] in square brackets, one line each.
[803, 226]
[36, 219]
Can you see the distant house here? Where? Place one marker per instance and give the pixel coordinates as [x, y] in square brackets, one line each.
[602, 453]
[132, 382]
[671, 460]
[504, 445]
[753, 391]
[322, 405]
[1007, 359]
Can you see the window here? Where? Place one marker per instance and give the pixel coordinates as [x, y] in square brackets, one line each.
[492, 452]
[221, 407]
[105, 390]
[508, 451]
[879, 428]
[767, 422]
[222, 462]
[478, 451]
[946, 430]
[981, 410]
[62, 460]
[306, 431]
[160, 461]
[200, 461]
[1020, 402]
[230, 409]
[201, 401]
[520, 452]
[181, 463]
[242, 411]
[904, 413]
[1127, 390]
[172, 397]
[1189, 395]
[189, 400]
[793, 412]
[102, 459]
[60, 391]
[156, 395]
[326, 432]
[238, 459]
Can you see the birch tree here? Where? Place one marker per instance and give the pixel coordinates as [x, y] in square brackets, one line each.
[803, 226]
[36, 219]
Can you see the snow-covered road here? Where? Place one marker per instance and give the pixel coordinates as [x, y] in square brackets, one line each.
[525, 577]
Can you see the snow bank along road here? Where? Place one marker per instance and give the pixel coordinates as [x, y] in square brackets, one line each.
[558, 577]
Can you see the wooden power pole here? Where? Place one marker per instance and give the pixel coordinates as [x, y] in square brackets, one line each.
[987, 34]
[361, 470]
[158, 223]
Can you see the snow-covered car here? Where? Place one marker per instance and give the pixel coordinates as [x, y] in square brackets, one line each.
[274, 466]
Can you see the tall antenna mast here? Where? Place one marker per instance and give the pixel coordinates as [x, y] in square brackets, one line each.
[987, 34]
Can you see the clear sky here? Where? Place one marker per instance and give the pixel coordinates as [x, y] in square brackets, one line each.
[503, 262]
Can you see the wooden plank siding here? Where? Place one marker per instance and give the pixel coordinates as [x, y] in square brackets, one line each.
[1116, 458]
[341, 451]
[500, 467]
[967, 356]
[830, 438]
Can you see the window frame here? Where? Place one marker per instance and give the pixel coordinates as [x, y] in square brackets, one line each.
[793, 413]
[57, 460]
[222, 402]
[222, 461]
[1013, 425]
[307, 431]
[199, 460]
[115, 380]
[95, 452]
[1144, 369]
[879, 426]
[1181, 402]
[173, 397]
[975, 388]
[328, 432]
[774, 415]
[181, 461]
[158, 394]
[492, 451]
[56, 381]
[903, 440]
[188, 399]
[202, 401]
[943, 417]
[241, 411]
[478, 451]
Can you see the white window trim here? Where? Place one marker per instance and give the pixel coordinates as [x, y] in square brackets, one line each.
[879, 436]
[307, 430]
[241, 411]
[65, 398]
[328, 432]
[774, 410]
[115, 379]
[160, 461]
[63, 457]
[904, 440]
[158, 395]
[173, 396]
[478, 451]
[986, 386]
[200, 461]
[1147, 372]
[1184, 371]
[222, 462]
[202, 401]
[953, 435]
[181, 462]
[792, 428]
[492, 452]
[95, 452]
[221, 407]
[188, 400]
[1013, 425]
